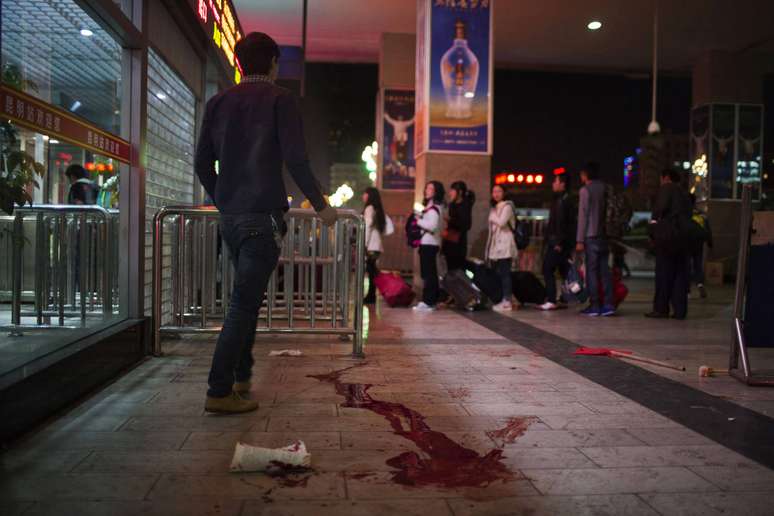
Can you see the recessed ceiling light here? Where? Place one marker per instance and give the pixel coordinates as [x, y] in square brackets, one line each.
[87, 32]
[594, 25]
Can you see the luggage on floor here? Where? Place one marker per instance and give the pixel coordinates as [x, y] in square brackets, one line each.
[466, 296]
[487, 281]
[619, 289]
[395, 290]
[573, 288]
[527, 288]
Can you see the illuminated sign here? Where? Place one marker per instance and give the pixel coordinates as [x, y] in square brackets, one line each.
[519, 178]
[222, 27]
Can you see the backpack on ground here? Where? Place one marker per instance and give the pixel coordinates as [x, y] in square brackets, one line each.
[527, 288]
[618, 213]
[487, 281]
[413, 231]
[396, 292]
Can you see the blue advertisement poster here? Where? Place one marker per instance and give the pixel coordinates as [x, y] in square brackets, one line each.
[398, 166]
[460, 67]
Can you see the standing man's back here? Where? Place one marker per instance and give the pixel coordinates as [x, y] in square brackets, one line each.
[250, 130]
[592, 240]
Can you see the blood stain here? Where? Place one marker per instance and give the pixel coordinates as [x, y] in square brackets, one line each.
[459, 393]
[514, 428]
[445, 462]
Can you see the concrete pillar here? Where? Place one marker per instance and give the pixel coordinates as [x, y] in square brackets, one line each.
[396, 70]
[724, 78]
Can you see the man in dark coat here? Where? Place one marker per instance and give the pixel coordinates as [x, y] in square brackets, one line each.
[670, 222]
[559, 238]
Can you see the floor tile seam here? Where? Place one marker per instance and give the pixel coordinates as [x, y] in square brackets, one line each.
[640, 497]
[83, 460]
[716, 484]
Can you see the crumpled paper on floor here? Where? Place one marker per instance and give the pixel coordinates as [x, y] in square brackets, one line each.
[285, 353]
[254, 458]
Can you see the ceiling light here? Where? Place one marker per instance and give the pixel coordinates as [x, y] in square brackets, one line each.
[469, 94]
[161, 95]
[87, 32]
[594, 25]
[75, 105]
[53, 142]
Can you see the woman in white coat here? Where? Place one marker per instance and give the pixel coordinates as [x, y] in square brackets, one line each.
[430, 220]
[501, 245]
[376, 227]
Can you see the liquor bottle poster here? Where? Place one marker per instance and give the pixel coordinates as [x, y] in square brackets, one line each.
[398, 165]
[458, 80]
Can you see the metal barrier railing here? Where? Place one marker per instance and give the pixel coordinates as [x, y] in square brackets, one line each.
[71, 252]
[318, 280]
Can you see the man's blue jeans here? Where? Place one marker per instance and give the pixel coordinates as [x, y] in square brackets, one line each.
[254, 243]
[598, 269]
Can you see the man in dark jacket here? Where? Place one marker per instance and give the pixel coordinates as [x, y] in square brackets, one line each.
[250, 130]
[670, 219]
[559, 238]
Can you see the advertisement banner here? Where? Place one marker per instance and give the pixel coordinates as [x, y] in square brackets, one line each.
[398, 166]
[459, 67]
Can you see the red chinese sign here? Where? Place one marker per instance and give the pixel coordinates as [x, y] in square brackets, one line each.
[35, 114]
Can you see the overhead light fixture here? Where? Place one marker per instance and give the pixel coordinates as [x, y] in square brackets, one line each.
[594, 25]
[161, 95]
[53, 142]
[77, 104]
[87, 33]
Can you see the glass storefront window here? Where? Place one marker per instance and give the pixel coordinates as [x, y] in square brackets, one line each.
[53, 50]
[59, 263]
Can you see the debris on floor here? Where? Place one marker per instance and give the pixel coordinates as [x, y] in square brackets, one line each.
[254, 458]
[616, 353]
[707, 371]
[285, 353]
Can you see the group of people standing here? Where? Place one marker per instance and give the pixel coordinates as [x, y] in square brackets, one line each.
[574, 232]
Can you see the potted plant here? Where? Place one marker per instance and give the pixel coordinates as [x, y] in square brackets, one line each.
[17, 168]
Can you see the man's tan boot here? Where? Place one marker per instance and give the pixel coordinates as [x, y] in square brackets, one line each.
[231, 404]
[242, 387]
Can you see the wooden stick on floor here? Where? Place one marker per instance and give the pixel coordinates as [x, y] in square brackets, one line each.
[646, 360]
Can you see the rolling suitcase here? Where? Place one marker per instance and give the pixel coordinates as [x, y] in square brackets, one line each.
[466, 296]
[527, 288]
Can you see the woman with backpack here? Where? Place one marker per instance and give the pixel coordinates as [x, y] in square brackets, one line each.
[430, 221]
[376, 226]
[501, 245]
[458, 223]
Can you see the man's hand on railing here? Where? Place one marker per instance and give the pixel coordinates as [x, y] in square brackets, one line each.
[328, 215]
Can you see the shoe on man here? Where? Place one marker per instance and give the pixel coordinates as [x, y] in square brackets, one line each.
[607, 311]
[423, 307]
[231, 404]
[503, 306]
[590, 311]
[656, 315]
[547, 306]
[702, 291]
[242, 388]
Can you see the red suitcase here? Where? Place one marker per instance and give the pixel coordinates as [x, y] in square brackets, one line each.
[395, 291]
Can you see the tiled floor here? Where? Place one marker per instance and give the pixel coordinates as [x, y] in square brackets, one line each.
[448, 396]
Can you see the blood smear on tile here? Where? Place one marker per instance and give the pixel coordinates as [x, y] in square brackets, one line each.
[446, 463]
[514, 428]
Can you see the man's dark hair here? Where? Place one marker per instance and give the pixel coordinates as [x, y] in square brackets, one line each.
[76, 172]
[564, 179]
[592, 170]
[672, 174]
[255, 53]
